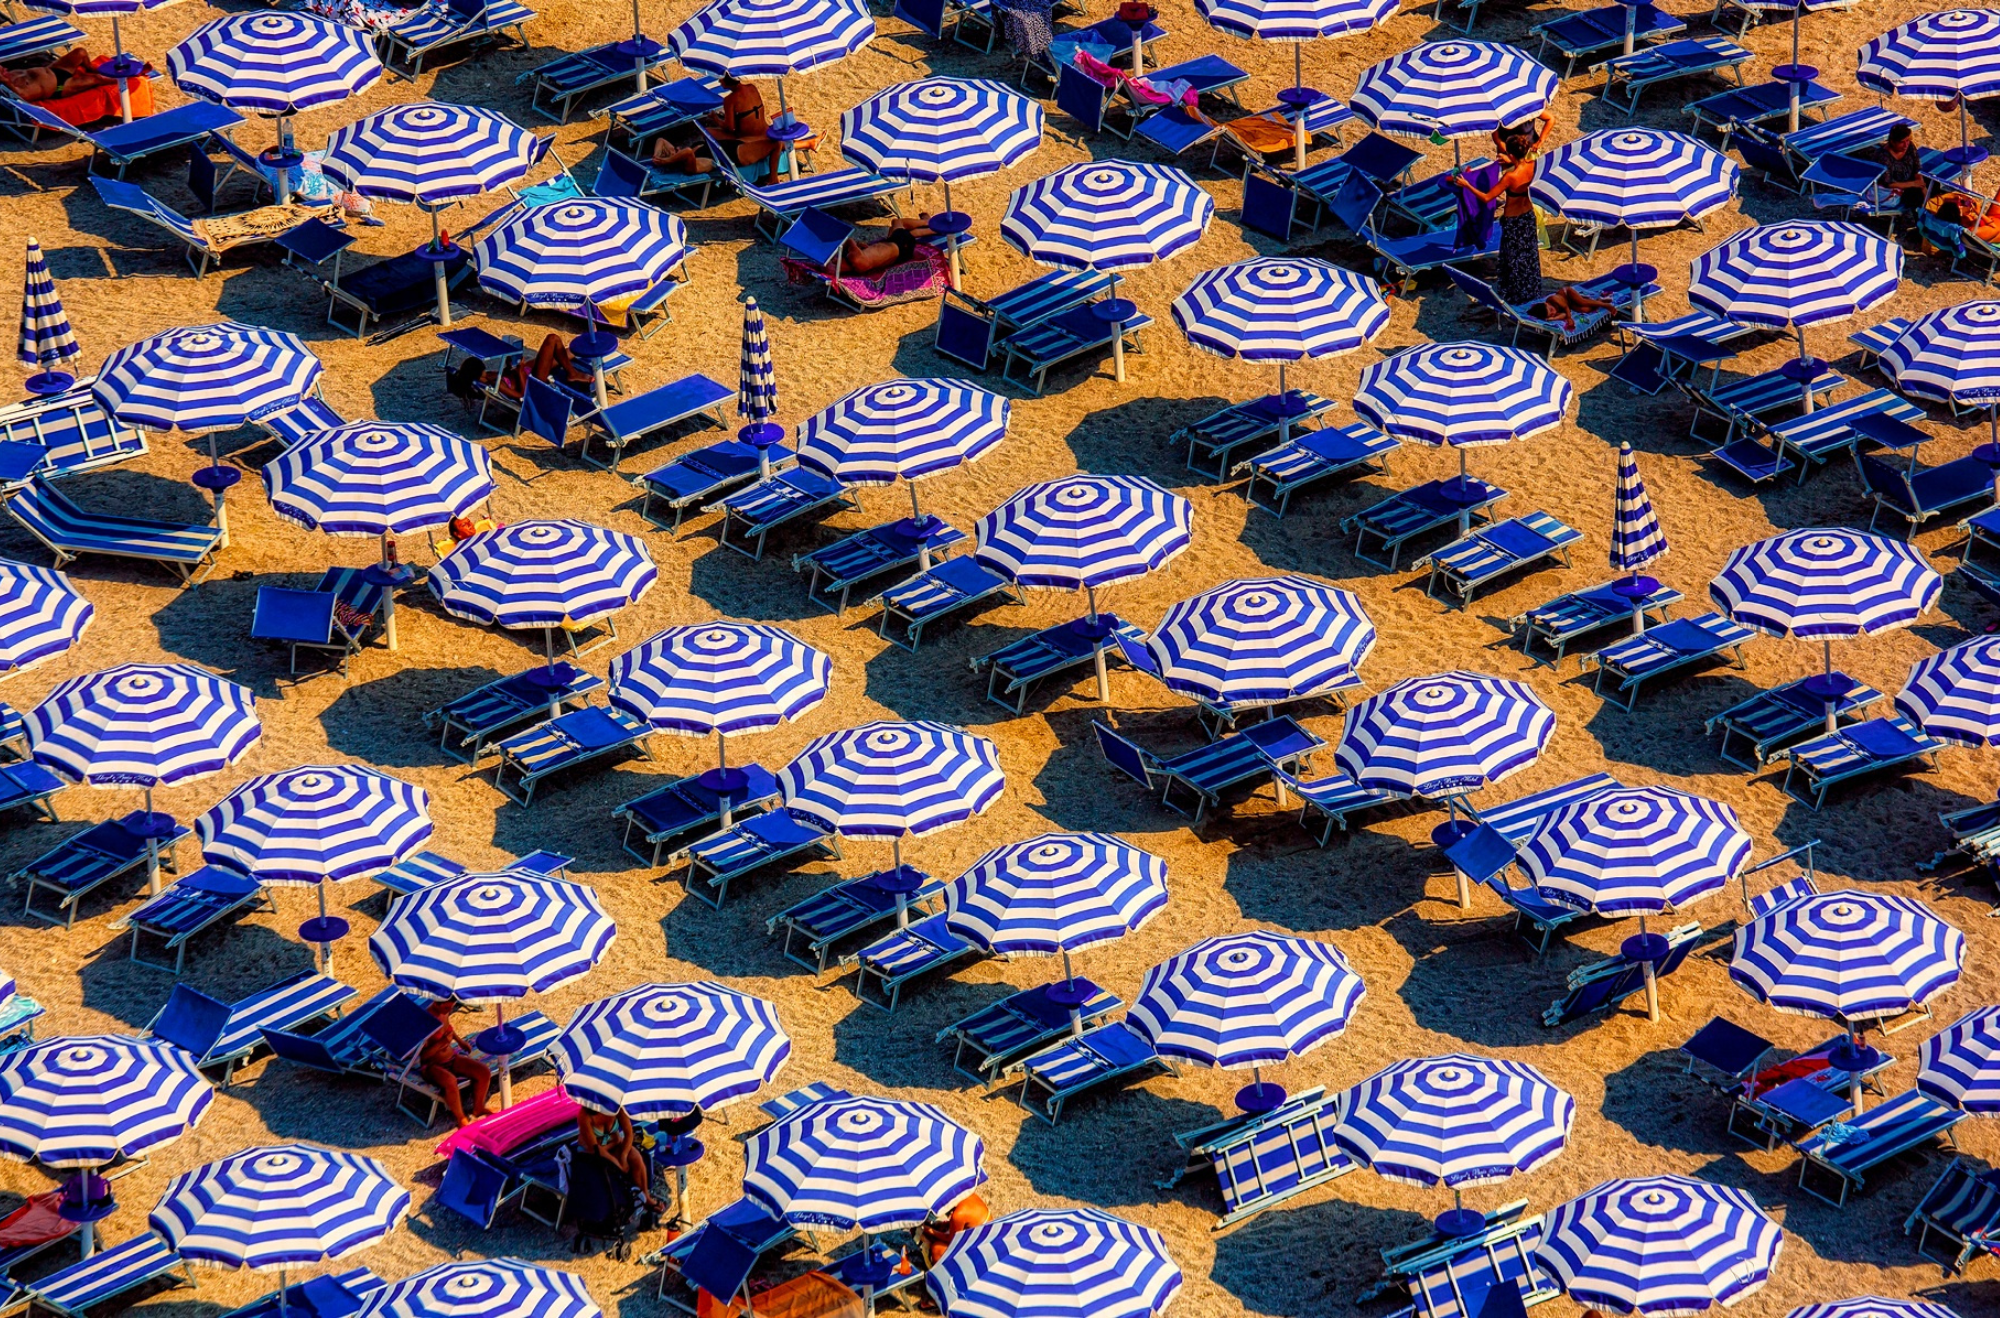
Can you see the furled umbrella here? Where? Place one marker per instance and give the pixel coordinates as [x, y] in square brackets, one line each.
[1262, 641]
[47, 341]
[725, 678]
[757, 389]
[1951, 56]
[543, 574]
[41, 615]
[1296, 22]
[773, 38]
[1056, 1263]
[484, 1288]
[860, 1162]
[1660, 1246]
[121, 67]
[660, 1050]
[1952, 355]
[1960, 1064]
[1453, 89]
[1636, 537]
[1955, 693]
[894, 780]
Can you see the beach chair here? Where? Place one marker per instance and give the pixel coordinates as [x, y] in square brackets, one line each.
[293, 425]
[1918, 494]
[68, 532]
[427, 869]
[423, 31]
[105, 1276]
[1875, 340]
[122, 145]
[1417, 511]
[1569, 618]
[706, 473]
[1579, 36]
[1659, 353]
[566, 79]
[335, 616]
[683, 805]
[28, 786]
[50, 35]
[1871, 746]
[1214, 440]
[1814, 438]
[1332, 798]
[396, 286]
[1015, 668]
[564, 742]
[1086, 100]
[34, 1227]
[226, 1034]
[1722, 1054]
[949, 587]
[719, 1254]
[901, 955]
[190, 905]
[1248, 755]
[1378, 160]
[712, 863]
[1743, 403]
[1053, 1077]
[781, 499]
[1269, 135]
[1666, 649]
[1483, 856]
[834, 570]
[950, 18]
[335, 1295]
[1517, 820]
[469, 725]
[1632, 74]
[1524, 317]
[643, 116]
[1603, 986]
[64, 434]
[1218, 718]
[1495, 1272]
[1770, 721]
[1963, 1206]
[847, 909]
[206, 239]
[1312, 456]
[1261, 1161]
[1492, 551]
[1740, 107]
[1849, 1150]
[986, 1041]
[13, 733]
[971, 331]
[84, 862]
[630, 420]
[1067, 334]
[779, 204]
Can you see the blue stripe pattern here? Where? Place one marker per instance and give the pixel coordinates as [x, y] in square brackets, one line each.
[1248, 999]
[41, 615]
[749, 38]
[1936, 57]
[120, 7]
[1447, 733]
[1636, 536]
[757, 381]
[492, 937]
[1874, 1306]
[1952, 355]
[1635, 850]
[1640, 177]
[1453, 87]
[723, 677]
[1281, 309]
[1463, 394]
[1454, 1120]
[888, 779]
[1295, 20]
[1660, 1246]
[941, 130]
[543, 574]
[206, 377]
[1058, 892]
[1106, 215]
[46, 338]
[279, 1206]
[485, 1288]
[871, 1163]
[1796, 273]
[143, 725]
[1085, 531]
[1056, 1263]
[579, 253]
[660, 1049]
[316, 823]
[1960, 1064]
[272, 63]
[431, 152]
[902, 430]
[1955, 693]
[378, 478]
[1825, 582]
[1261, 640]
[85, 1100]
[1847, 955]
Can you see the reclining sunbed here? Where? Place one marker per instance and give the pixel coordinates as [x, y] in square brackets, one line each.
[846, 910]
[1490, 552]
[834, 570]
[67, 531]
[470, 724]
[189, 906]
[226, 1034]
[1668, 648]
[706, 473]
[1018, 1024]
[84, 862]
[564, 742]
[1770, 721]
[1248, 755]
[683, 805]
[1015, 668]
[1870, 746]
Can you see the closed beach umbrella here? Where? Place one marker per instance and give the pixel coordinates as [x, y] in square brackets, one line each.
[121, 66]
[1636, 536]
[757, 381]
[1960, 1064]
[1660, 1246]
[1953, 355]
[1955, 694]
[890, 779]
[544, 574]
[41, 615]
[1952, 56]
[1453, 88]
[771, 38]
[1056, 1263]
[1262, 640]
[868, 1163]
[1444, 735]
[484, 1288]
[573, 255]
[1057, 893]
[660, 1050]
[1296, 22]
[47, 341]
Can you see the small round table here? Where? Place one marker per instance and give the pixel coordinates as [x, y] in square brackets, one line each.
[1635, 590]
[763, 436]
[1637, 277]
[501, 1042]
[1632, 8]
[217, 480]
[951, 226]
[784, 134]
[1258, 1099]
[1115, 311]
[592, 348]
[1460, 1223]
[1855, 1061]
[1800, 76]
[1802, 371]
[121, 69]
[47, 384]
[642, 51]
[901, 882]
[389, 579]
[86, 1201]
[1298, 102]
[1071, 994]
[323, 931]
[678, 1154]
[152, 829]
[1647, 950]
[1968, 156]
[1829, 689]
[551, 676]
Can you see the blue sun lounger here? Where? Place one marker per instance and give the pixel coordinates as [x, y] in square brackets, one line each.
[643, 116]
[1668, 648]
[226, 1034]
[1056, 339]
[1218, 718]
[971, 330]
[704, 474]
[1213, 440]
[848, 908]
[1494, 1273]
[1051, 1078]
[1963, 1206]
[103, 1277]
[28, 786]
[1875, 340]
[470, 724]
[939, 19]
[1312, 456]
[624, 177]
[1248, 755]
[683, 805]
[83, 862]
[834, 570]
[1919, 494]
[1419, 510]
[779, 204]
[1378, 160]
[749, 845]
[568, 78]
[50, 35]
[785, 498]
[1814, 438]
[1015, 668]
[949, 587]
[1332, 798]
[189, 906]
[427, 869]
[1490, 552]
[1017, 1024]
[1567, 619]
[1483, 857]
[62, 435]
[1633, 74]
[564, 742]
[1578, 36]
[1759, 103]
[202, 250]
[1770, 721]
[1603, 986]
[902, 955]
[1870, 746]
[334, 1295]
[68, 532]
[1743, 403]
[407, 41]
[1262, 1161]
[123, 145]
[13, 732]
[1657, 353]
[1587, 324]
[630, 420]
[312, 619]
[1849, 1150]
[720, 1253]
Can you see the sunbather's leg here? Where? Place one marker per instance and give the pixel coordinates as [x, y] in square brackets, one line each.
[554, 356]
[680, 160]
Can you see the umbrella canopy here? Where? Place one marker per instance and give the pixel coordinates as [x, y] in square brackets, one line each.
[757, 387]
[206, 377]
[1636, 537]
[1952, 355]
[1247, 1000]
[576, 254]
[484, 1288]
[1454, 88]
[1955, 693]
[378, 478]
[492, 937]
[279, 1206]
[47, 341]
[1874, 1306]
[1642, 178]
[319, 823]
[749, 38]
[1635, 850]
[1058, 892]
[543, 574]
[1942, 56]
[902, 430]
[1294, 20]
[719, 677]
[858, 1162]
[274, 63]
[1082, 532]
[1107, 215]
[41, 615]
[1660, 1246]
[1796, 273]
[888, 779]
[1281, 309]
[1056, 1263]
[1463, 394]
[1262, 640]
[1847, 956]
[87, 1100]
[941, 130]
[430, 153]
[143, 725]
[1960, 1064]
[1822, 583]
[1444, 734]
[1454, 1120]
[659, 1050]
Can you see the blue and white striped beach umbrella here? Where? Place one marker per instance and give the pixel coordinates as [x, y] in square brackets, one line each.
[543, 574]
[1960, 1064]
[1642, 178]
[1453, 87]
[47, 341]
[1942, 56]
[1796, 273]
[1454, 1120]
[484, 1288]
[1463, 394]
[757, 381]
[902, 430]
[1955, 693]
[206, 377]
[1847, 956]
[1059, 892]
[889, 779]
[492, 937]
[859, 1162]
[1247, 1000]
[659, 1050]
[1281, 309]
[1444, 734]
[86, 1100]
[274, 63]
[942, 130]
[431, 153]
[574, 255]
[1082, 532]
[278, 1207]
[1636, 850]
[1821, 583]
[1294, 20]
[41, 615]
[143, 725]
[1874, 1306]
[1107, 215]
[1056, 1263]
[318, 823]
[378, 478]
[1261, 640]
[1952, 355]
[1636, 536]
[719, 677]
[771, 38]
[1660, 1246]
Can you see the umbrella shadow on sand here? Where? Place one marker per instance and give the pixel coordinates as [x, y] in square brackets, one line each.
[1113, 1144]
[1278, 1264]
[739, 587]
[901, 1051]
[373, 719]
[1661, 1104]
[1458, 957]
[1280, 876]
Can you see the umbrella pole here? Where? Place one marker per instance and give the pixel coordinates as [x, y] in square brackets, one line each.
[1631, 26]
[917, 526]
[1798, 88]
[1117, 337]
[902, 898]
[152, 854]
[1299, 134]
[1103, 678]
[437, 271]
[951, 239]
[1639, 290]
[1652, 981]
[1832, 703]
[506, 1071]
[282, 182]
[124, 93]
[1806, 371]
[323, 952]
[1465, 511]
[1284, 412]
[281, 1293]
[722, 763]
[638, 52]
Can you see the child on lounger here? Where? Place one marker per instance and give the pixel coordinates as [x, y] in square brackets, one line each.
[69, 75]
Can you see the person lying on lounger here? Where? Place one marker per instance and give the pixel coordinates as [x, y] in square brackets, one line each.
[69, 75]
[859, 258]
[553, 356]
[1564, 304]
[445, 1060]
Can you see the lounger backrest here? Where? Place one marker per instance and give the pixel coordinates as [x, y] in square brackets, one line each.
[1354, 205]
[545, 411]
[925, 15]
[1136, 653]
[1482, 855]
[817, 236]
[1268, 206]
[399, 1026]
[964, 334]
[1122, 755]
[303, 1049]
[1382, 159]
[1782, 895]
[1081, 97]
[201, 178]
[191, 1019]
[718, 1262]
[1759, 151]
[619, 176]
[128, 197]
[472, 1187]
[1479, 291]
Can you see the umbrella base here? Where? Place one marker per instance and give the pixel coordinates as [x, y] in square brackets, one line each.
[1460, 1223]
[1256, 1100]
[49, 383]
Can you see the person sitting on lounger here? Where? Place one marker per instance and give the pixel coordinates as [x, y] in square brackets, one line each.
[939, 1232]
[739, 126]
[1564, 304]
[612, 1138]
[1902, 172]
[445, 1060]
[859, 258]
[69, 75]
[553, 356]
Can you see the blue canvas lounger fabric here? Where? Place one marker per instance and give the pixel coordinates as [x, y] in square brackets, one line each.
[1963, 1206]
[1910, 1120]
[1578, 36]
[407, 42]
[846, 910]
[123, 1268]
[188, 907]
[1725, 112]
[785, 497]
[1313, 456]
[702, 475]
[1050, 1079]
[1490, 552]
[750, 844]
[68, 531]
[1871, 746]
[1632, 74]
[971, 330]
[1407, 514]
[834, 570]
[948, 588]
[29, 786]
[1213, 441]
[124, 144]
[900, 956]
[83, 862]
[62, 434]
[565, 741]
[1023, 1022]
[226, 1034]
[684, 805]
[1770, 721]
[1668, 648]
[1570, 617]
[1245, 756]
[567, 79]
[630, 420]
[469, 725]
[1015, 668]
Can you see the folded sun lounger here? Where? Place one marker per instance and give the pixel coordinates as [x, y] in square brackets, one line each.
[847, 909]
[1665, 649]
[1772, 720]
[1017, 1024]
[834, 570]
[1490, 552]
[1245, 756]
[706, 473]
[1419, 510]
[1262, 1160]
[1871, 746]
[67, 531]
[225, 1034]
[683, 805]
[563, 742]
[83, 862]
[471, 723]
[748, 845]
[190, 905]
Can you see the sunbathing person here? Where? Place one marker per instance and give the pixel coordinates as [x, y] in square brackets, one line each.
[1954, 210]
[939, 1232]
[445, 1060]
[1564, 304]
[69, 75]
[553, 356]
[859, 258]
[612, 1138]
